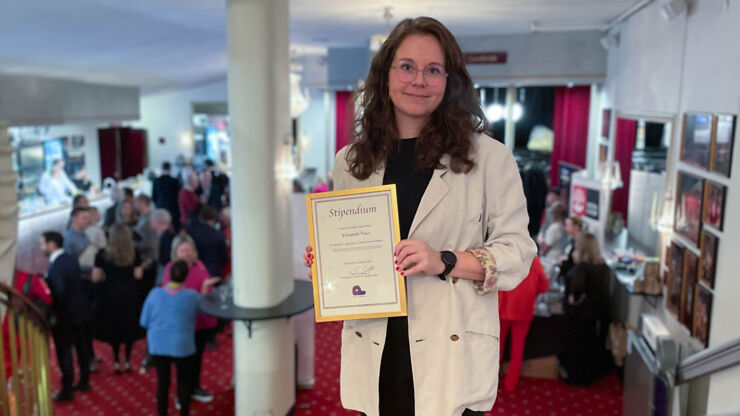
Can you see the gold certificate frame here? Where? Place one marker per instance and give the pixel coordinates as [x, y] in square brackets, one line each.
[353, 234]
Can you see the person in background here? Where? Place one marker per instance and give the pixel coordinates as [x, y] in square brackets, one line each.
[147, 246]
[555, 239]
[183, 248]
[82, 181]
[97, 240]
[553, 196]
[225, 226]
[219, 183]
[55, 186]
[127, 215]
[210, 242]
[516, 310]
[94, 232]
[71, 306]
[169, 317]
[75, 239]
[110, 213]
[117, 271]
[573, 228]
[79, 201]
[161, 222]
[586, 307]
[188, 201]
[165, 191]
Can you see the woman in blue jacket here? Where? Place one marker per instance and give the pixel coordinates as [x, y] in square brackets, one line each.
[169, 317]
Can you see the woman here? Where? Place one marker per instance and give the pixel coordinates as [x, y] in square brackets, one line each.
[127, 214]
[516, 310]
[116, 273]
[584, 357]
[573, 228]
[55, 186]
[169, 317]
[459, 191]
[183, 248]
[553, 244]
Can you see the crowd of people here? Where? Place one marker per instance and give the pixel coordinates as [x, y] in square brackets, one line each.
[136, 272]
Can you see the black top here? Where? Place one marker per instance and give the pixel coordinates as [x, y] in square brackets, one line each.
[71, 303]
[410, 184]
[396, 384]
[211, 245]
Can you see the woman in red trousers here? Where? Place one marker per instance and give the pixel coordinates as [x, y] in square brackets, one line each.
[516, 310]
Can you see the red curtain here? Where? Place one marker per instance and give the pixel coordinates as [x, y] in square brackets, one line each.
[570, 128]
[345, 114]
[625, 145]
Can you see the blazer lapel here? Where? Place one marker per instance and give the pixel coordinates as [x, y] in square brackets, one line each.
[436, 190]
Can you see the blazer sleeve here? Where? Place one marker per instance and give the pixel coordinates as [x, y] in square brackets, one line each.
[507, 235]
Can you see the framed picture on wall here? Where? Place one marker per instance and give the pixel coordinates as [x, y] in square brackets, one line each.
[724, 134]
[708, 260]
[690, 270]
[688, 206]
[702, 314]
[674, 279]
[696, 141]
[714, 205]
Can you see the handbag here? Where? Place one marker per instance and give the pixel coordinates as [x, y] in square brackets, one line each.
[45, 309]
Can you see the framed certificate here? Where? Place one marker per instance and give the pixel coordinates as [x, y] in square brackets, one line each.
[353, 234]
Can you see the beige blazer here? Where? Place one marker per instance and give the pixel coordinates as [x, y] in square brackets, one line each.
[453, 331]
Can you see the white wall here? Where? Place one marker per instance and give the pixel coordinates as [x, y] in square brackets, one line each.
[671, 67]
[167, 114]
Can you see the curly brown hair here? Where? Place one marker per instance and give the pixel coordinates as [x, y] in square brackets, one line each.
[450, 127]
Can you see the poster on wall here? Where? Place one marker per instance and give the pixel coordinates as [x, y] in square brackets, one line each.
[690, 269]
[565, 172]
[708, 260]
[697, 139]
[714, 205]
[723, 140]
[673, 295]
[585, 202]
[688, 206]
[702, 314]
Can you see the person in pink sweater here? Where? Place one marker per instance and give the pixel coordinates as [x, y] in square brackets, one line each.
[516, 310]
[183, 248]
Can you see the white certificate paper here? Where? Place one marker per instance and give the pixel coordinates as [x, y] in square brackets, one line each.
[353, 234]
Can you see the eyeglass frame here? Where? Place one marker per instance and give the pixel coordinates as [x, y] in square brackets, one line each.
[423, 72]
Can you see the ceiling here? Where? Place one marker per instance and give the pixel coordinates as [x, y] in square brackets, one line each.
[155, 43]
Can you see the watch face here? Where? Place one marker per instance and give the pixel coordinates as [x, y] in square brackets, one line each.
[449, 257]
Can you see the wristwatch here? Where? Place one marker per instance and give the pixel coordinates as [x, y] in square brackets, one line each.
[449, 259]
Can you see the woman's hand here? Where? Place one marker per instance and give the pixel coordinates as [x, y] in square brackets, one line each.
[208, 284]
[414, 256]
[138, 273]
[308, 259]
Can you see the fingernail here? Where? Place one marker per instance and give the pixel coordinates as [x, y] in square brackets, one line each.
[396, 261]
[403, 274]
[396, 268]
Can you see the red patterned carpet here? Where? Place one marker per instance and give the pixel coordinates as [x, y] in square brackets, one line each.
[134, 394]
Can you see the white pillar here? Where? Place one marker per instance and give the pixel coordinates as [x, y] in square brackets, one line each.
[258, 82]
[8, 209]
[509, 130]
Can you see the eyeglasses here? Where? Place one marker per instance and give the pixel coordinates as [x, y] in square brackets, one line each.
[433, 74]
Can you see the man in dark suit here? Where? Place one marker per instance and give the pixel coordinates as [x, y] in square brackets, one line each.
[209, 241]
[219, 183]
[165, 190]
[73, 314]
